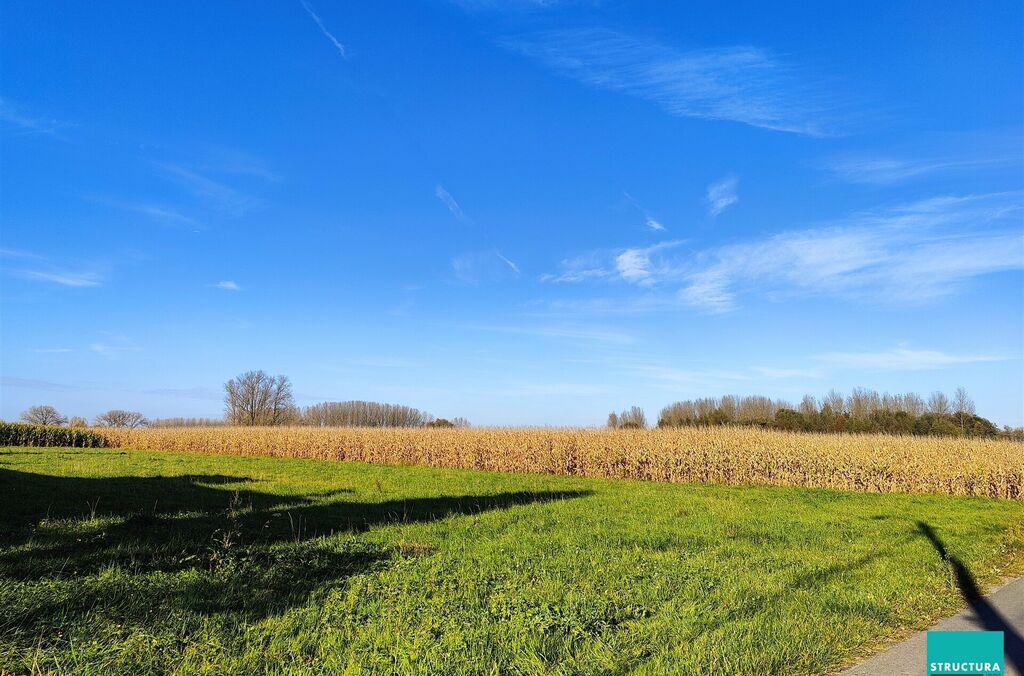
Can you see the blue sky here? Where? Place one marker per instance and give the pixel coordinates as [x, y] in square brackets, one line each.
[517, 212]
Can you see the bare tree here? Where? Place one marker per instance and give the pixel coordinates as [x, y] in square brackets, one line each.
[862, 403]
[78, 421]
[706, 406]
[119, 418]
[729, 407]
[755, 409]
[633, 418]
[910, 403]
[613, 420]
[679, 413]
[808, 405]
[257, 398]
[834, 402]
[963, 407]
[938, 403]
[43, 415]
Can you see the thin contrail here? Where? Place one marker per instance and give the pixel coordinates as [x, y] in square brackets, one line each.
[323, 29]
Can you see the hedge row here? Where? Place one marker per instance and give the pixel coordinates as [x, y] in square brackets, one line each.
[18, 434]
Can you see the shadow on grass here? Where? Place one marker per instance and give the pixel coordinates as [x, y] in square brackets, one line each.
[132, 547]
[990, 618]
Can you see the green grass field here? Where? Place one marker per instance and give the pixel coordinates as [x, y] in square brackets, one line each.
[137, 562]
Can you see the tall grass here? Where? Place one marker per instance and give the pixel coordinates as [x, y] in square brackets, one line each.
[724, 455]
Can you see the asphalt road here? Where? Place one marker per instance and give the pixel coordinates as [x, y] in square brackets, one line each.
[1002, 610]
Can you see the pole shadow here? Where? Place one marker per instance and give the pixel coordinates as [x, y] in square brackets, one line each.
[990, 618]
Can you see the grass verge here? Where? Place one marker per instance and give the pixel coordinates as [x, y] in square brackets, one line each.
[135, 562]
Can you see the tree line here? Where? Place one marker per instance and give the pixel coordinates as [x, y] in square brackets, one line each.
[48, 415]
[256, 398]
[371, 414]
[862, 410]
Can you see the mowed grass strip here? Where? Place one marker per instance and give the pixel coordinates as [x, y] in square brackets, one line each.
[141, 562]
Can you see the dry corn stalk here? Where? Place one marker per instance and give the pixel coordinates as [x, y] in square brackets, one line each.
[716, 455]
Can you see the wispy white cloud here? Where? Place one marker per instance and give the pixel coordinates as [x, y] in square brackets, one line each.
[928, 155]
[583, 268]
[227, 285]
[708, 290]
[36, 268]
[512, 266]
[645, 301]
[18, 253]
[15, 118]
[908, 253]
[885, 170]
[902, 359]
[72, 279]
[483, 266]
[576, 275]
[156, 212]
[225, 197]
[160, 213]
[742, 84]
[449, 201]
[722, 195]
[653, 224]
[633, 265]
[113, 346]
[650, 221]
[905, 253]
[323, 29]
[637, 265]
[221, 160]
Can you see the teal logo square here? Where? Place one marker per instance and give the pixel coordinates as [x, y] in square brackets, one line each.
[965, 652]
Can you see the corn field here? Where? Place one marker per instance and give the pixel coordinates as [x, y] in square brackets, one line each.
[719, 455]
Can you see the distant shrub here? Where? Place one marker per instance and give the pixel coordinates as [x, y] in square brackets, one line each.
[937, 424]
[790, 420]
[441, 422]
[19, 434]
